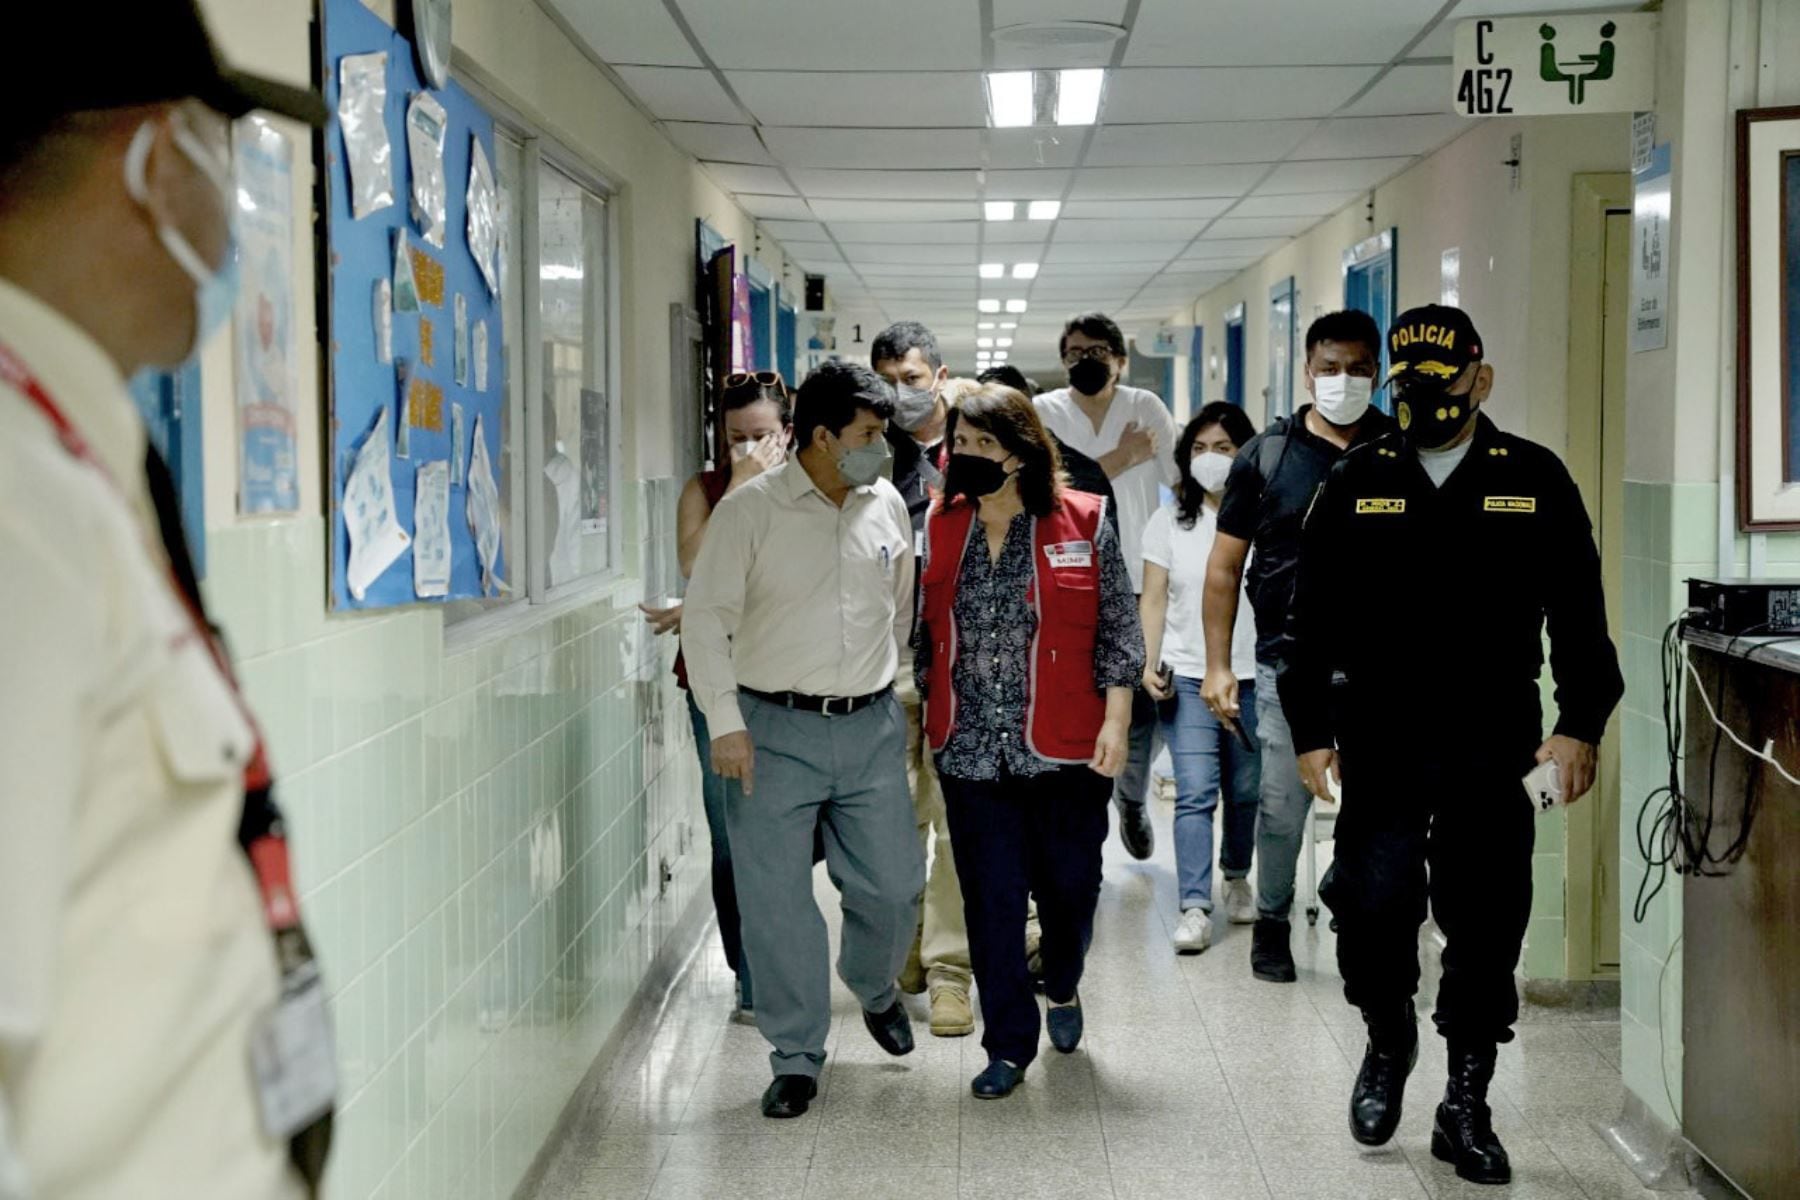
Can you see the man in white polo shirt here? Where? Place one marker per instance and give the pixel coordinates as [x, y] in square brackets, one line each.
[1131, 433]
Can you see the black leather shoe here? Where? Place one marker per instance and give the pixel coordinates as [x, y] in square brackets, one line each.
[1135, 831]
[1271, 958]
[1065, 1026]
[998, 1080]
[1392, 1052]
[1463, 1133]
[789, 1096]
[892, 1030]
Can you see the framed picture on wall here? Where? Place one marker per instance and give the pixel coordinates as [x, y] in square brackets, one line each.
[1768, 268]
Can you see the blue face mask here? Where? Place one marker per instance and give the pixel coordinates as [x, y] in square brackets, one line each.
[215, 289]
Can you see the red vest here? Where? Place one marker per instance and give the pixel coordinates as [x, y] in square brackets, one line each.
[1063, 708]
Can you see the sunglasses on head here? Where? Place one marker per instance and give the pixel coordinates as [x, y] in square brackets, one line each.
[738, 379]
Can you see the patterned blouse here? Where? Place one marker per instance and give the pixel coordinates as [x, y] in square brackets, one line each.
[995, 625]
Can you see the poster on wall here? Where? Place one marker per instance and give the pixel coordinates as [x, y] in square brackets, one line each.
[1768, 319]
[1650, 258]
[743, 332]
[266, 370]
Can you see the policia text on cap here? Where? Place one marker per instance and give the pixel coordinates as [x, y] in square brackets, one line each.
[1458, 543]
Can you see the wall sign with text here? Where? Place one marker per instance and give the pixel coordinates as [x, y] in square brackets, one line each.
[1553, 66]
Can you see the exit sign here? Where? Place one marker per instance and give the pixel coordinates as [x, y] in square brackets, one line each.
[1554, 66]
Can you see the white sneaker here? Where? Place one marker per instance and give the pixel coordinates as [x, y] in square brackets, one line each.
[1194, 934]
[1240, 902]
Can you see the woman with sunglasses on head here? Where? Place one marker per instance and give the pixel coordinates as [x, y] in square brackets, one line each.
[758, 420]
[1208, 759]
[1027, 651]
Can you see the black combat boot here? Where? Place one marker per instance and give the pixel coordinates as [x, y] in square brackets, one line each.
[1464, 1131]
[1392, 1052]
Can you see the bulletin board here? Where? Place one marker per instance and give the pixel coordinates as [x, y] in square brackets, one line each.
[360, 254]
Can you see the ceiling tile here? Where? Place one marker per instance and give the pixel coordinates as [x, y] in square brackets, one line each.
[1171, 144]
[1028, 148]
[1129, 230]
[1224, 246]
[1176, 94]
[876, 99]
[1026, 185]
[718, 143]
[1117, 252]
[800, 147]
[941, 232]
[1408, 88]
[887, 185]
[1134, 183]
[1080, 274]
[1015, 233]
[851, 34]
[1292, 32]
[1440, 41]
[682, 94]
[893, 210]
[628, 31]
[877, 252]
[735, 177]
[1198, 209]
[774, 208]
[1260, 227]
[1331, 175]
[793, 232]
[1306, 204]
[1376, 137]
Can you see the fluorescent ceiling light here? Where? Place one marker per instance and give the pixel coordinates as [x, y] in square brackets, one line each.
[1078, 95]
[992, 270]
[984, 343]
[1024, 270]
[1043, 210]
[1009, 98]
[999, 356]
[1009, 324]
[988, 306]
[984, 324]
[1002, 342]
[1015, 306]
[1000, 210]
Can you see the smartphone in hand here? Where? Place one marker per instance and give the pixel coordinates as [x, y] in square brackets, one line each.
[1543, 786]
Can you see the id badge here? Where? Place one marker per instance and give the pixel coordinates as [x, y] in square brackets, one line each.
[293, 1056]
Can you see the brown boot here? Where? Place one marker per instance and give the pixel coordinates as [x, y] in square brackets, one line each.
[951, 1014]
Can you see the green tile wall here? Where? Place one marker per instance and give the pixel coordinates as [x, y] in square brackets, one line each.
[478, 838]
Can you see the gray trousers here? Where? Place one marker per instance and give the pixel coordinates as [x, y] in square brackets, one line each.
[1281, 815]
[1132, 787]
[845, 776]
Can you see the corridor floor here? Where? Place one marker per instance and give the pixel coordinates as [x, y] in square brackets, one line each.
[1195, 1081]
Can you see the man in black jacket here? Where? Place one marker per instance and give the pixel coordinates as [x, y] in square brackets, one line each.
[1460, 542]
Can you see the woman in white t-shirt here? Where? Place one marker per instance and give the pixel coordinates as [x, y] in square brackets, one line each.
[1208, 758]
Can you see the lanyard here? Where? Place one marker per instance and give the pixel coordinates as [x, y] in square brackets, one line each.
[260, 831]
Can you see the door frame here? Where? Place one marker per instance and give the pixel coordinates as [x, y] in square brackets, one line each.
[1359, 263]
[1234, 372]
[1593, 197]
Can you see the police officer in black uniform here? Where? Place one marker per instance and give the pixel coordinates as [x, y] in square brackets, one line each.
[1462, 542]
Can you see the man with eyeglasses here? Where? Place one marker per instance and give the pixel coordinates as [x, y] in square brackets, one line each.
[1272, 482]
[1131, 433]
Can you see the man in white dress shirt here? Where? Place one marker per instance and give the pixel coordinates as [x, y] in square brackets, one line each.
[135, 958]
[1131, 433]
[799, 602]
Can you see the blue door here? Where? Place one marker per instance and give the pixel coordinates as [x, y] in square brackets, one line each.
[170, 405]
[1234, 359]
[1372, 285]
[787, 344]
[762, 346]
[1196, 368]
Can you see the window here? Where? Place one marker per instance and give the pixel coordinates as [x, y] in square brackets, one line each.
[557, 496]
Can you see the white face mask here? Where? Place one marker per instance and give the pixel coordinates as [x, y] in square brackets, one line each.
[1342, 399]
[1210, 470]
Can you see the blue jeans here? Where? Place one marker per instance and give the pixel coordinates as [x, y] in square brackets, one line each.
[1207, 759]
[1281, 821]
[724, 883]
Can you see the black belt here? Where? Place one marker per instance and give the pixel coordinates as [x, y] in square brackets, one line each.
[827, 706]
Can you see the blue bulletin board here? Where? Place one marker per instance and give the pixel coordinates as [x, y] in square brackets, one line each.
[360, 254]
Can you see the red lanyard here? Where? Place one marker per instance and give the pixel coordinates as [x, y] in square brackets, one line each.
[268, 853]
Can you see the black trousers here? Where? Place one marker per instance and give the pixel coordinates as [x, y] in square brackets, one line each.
[1457, 830]
[1018, 837]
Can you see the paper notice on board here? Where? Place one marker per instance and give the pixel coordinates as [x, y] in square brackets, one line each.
[362, 108]
[459, 352]
[425, 122]
[431, 530]
[458, 439]
[484, 216]
[383, 317]
[403, 436]
[406, 288]
[484, 512]
[481, 355]
[267, 369]
[376, 538]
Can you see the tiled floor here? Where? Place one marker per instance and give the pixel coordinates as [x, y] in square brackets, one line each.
[1195, 1081]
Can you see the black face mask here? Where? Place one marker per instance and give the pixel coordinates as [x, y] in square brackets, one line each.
[1432, 419]
[974, 476]
[1090, 376]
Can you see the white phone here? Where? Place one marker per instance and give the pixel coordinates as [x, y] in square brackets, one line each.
[1543, 786]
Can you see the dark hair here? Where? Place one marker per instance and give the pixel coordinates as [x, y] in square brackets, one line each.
[1098, 326]
[894, 341]
[1012, 418]
[1189, 495]
[832, 396]
[1348, 325]
[1006, 375]
[752, 391]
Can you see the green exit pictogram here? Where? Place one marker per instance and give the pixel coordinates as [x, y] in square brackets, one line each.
[1585, 69]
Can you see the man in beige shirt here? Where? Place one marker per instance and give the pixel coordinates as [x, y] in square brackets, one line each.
[135, 961]
[800, 599]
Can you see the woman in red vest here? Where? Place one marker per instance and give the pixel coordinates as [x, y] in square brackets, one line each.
[758, 416]
[1027, 651]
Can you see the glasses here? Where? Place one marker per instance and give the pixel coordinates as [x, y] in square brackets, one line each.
[1071, 357]
[738, 379]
